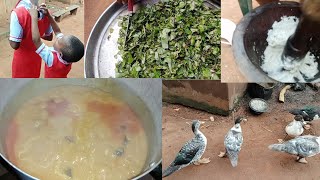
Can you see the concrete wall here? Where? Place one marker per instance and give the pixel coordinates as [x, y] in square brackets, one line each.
[211, 96]
[235, 92]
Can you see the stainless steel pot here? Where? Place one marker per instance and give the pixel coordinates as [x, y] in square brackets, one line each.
[143, 95]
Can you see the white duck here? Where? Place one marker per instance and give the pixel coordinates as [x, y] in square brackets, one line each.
[295, 128]
[233, 142]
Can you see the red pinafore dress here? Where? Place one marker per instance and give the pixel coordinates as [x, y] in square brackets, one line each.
[26, 62]
[58, 69]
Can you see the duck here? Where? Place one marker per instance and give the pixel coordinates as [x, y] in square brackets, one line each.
[298, 86]
[191, 152]
[301, 146]
[233, 142]
[296, 127]
[308, 113]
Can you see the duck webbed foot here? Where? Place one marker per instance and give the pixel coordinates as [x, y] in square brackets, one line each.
[222, 154]
[202, 161]
[302, 160]
[283, 140]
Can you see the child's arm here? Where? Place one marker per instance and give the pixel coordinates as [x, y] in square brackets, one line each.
[34, 27]
[49, 32]
[42, 50]
[54, 25]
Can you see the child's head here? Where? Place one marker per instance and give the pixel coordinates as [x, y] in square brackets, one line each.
[71, 48]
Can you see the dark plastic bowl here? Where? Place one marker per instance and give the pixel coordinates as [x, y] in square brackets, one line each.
[263, 91]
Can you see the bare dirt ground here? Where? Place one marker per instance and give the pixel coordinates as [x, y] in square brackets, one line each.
[256, 161]
[69, 25]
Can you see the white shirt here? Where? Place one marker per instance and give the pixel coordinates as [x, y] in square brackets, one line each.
[46, 53]
[16, 31]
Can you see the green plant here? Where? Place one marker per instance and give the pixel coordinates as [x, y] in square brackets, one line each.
[171, 39]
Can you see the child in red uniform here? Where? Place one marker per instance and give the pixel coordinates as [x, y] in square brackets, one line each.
[26, 63]
[66, 50]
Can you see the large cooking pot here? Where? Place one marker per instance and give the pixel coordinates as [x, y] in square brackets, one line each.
[142, 95]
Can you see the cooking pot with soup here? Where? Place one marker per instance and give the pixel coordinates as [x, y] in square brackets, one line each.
[88, 129]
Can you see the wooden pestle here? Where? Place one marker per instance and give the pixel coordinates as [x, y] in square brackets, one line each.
[298, 44]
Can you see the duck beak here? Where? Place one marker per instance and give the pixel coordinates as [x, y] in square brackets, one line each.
[202, 122]
[245, 119]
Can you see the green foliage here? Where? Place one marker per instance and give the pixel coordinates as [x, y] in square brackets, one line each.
[171, 39]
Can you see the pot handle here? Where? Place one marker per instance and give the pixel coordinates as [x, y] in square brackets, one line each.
[227, 29]
[157, 172]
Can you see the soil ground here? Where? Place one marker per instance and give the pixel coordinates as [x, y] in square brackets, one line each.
[93, 11]
[69, 25]
[256, 161]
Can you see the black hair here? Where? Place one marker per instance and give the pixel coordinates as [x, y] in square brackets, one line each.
[73, 49]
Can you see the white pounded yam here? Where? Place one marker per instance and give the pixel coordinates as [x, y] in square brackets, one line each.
[272, 60]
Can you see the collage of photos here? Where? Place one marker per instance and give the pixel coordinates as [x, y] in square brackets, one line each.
[159, 89]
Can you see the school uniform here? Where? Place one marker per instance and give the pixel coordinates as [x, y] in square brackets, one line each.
[26, 63]
[55, 66]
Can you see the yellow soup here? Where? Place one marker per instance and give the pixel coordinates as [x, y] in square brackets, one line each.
[74, 132]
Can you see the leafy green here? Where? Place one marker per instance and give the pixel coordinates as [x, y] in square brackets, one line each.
[171, 39]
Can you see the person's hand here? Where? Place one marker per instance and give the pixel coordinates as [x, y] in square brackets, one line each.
[43, 8]
[122, 1]
[34, 12]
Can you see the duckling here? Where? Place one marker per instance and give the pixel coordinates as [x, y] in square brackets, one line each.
[191, 152]
[308, 113]
[295, 128]
[301, 146]
[233, 141]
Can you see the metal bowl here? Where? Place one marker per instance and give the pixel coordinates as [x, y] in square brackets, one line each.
[258, 106]
[96, 64]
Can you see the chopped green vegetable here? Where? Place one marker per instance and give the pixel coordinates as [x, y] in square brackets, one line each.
[171, 39]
